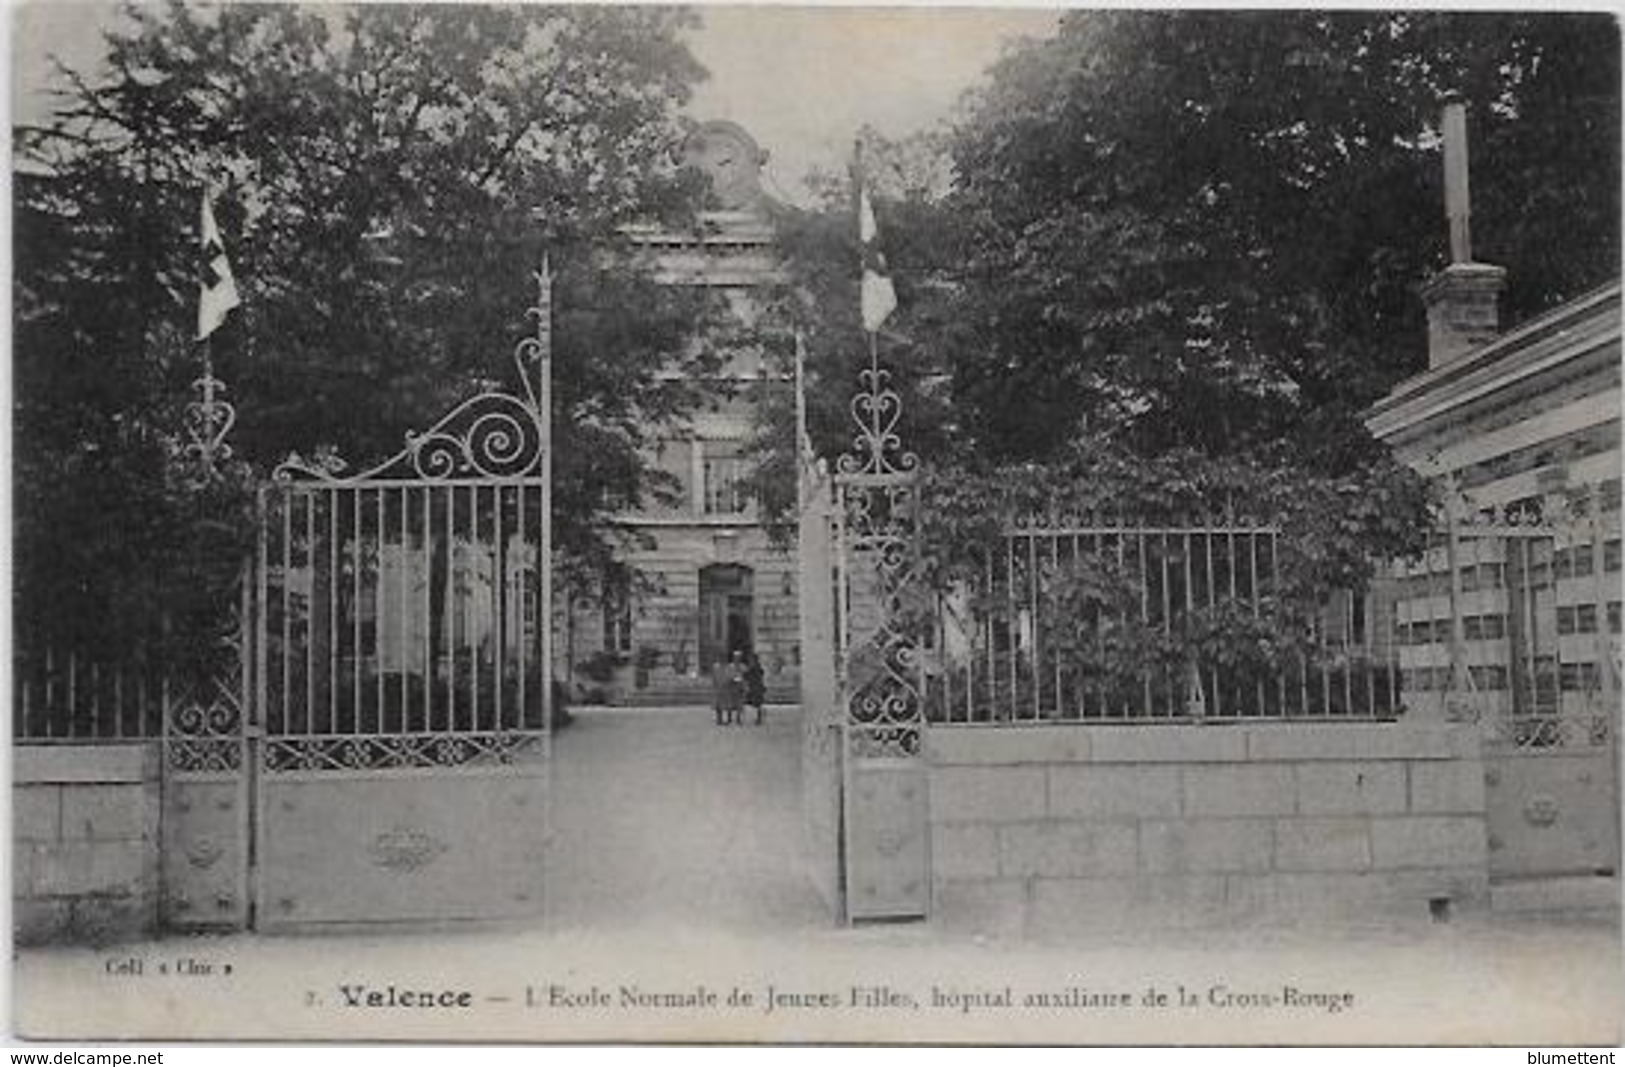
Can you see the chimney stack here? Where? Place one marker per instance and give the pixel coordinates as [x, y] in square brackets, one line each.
[1463, 302]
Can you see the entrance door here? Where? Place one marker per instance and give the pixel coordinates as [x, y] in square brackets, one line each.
[727, 612]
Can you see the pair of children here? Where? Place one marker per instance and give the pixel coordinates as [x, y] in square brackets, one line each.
[738, 684]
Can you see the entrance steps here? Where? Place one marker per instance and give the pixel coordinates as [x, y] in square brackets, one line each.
[1570, 894]
[676, 691]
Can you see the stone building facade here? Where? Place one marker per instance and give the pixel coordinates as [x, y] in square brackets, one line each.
[705, 580]
[1515, 419]
[1511, 619]
[1521, 426]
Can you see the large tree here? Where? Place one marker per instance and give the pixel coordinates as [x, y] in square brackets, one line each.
[1205, 229]
[387, 179]
[1179, 253]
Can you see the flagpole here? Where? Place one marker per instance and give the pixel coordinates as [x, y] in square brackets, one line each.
[208, 380]
[801, 394]
[857, 203]
[211, 417]
[863, 265]
[216, 416]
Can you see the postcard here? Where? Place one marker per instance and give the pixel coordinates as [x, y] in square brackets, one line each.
[765, 524]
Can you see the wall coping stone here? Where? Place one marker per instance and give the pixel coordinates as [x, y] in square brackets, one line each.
[135, 761]
[1045, 743]
[1012, 744]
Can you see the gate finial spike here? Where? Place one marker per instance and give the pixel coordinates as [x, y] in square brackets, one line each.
[537, 349]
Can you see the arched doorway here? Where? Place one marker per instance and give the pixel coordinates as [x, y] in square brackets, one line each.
[727, 611]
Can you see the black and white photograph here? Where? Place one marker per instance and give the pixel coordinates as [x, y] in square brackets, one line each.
[754, 524]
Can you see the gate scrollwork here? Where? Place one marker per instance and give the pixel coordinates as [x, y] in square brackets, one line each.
[203, 729]
[491, 435]
[879, 524]
[399, 618]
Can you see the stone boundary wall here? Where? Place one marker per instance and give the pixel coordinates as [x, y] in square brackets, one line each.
[1051, 828]
[85, 842]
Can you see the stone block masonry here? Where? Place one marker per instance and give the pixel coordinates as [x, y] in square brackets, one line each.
[1042, 829]
[85, 842]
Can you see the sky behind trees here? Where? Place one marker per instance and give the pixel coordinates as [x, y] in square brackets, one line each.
[801, 79]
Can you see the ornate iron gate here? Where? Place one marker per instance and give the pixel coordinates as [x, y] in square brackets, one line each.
[403, 674]
[379, 750]
[887, 845]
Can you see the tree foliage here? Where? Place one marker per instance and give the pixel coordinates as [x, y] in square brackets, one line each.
[820, 251]
[1190, 244]
[1205, 229]
[388, 178]
[1179, 255]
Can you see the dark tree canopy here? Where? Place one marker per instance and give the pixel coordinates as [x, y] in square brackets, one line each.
[1205, 229]
[1162, 261]
[388, 178]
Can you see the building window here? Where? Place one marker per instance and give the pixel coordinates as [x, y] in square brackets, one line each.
[724, 485]
[1545, 671]
[1585, 618]
[617, 605]
[1425, 679]
[1578, 619]
[1579, 677]
[1484, 627]
[1437, 634]
[672, 476]
[1572, 562]
[1525, 509]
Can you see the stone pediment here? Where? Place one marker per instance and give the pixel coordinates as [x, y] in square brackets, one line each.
[731, 242]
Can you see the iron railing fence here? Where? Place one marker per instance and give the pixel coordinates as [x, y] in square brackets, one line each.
[74, 697]
[1515, 625]
[1148, 623]
[399, 609]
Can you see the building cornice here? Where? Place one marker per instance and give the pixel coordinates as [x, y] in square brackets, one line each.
[1569, 332]
[715, 229]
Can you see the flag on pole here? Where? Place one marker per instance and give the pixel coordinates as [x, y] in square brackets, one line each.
[879, 298]
[218, 294]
